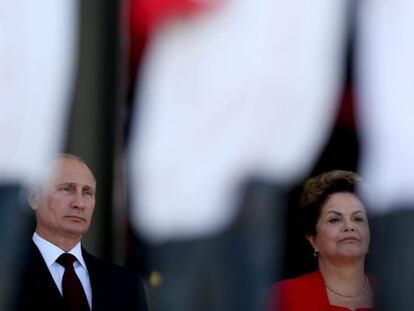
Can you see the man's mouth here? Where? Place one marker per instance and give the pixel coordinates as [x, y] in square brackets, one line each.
[75, 217]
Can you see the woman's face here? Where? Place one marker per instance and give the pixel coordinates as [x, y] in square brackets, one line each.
[342, 230]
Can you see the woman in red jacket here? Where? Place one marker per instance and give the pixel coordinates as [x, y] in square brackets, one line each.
[337, 228]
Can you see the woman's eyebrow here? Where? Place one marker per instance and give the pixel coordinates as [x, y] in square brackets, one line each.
[338, 213]
[334, 212]
[360, 211]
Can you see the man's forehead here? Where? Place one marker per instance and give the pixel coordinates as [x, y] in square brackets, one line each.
[68, 170]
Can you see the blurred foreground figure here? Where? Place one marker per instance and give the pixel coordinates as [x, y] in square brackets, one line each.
[37, 56]
[234, 104]
[385, 42]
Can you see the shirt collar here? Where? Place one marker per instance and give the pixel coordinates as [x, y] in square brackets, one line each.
[50, 252]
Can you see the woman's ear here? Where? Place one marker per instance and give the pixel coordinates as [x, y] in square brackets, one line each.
[312, 242]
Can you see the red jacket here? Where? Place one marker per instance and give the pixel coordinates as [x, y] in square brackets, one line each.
[306, 292]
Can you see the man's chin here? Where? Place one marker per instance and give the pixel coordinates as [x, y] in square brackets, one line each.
[75, 231]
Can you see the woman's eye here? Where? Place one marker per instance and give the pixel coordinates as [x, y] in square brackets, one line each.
[333, 220]
[359, 219]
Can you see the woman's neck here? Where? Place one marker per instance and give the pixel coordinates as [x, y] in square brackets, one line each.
[343, 277]
[347, 285]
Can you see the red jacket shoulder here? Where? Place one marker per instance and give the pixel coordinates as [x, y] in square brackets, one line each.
[305, 292]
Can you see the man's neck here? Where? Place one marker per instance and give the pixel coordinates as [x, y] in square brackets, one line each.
[64, 243]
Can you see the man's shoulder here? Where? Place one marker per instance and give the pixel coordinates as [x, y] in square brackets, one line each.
[114, 285]
[107, 267]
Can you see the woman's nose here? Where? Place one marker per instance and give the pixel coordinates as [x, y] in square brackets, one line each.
[348, 225]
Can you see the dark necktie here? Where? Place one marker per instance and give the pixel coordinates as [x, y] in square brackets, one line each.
[73, 294]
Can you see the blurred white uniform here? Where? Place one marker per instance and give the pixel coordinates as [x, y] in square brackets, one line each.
[37, 60]
[386, 107]
[247, 89]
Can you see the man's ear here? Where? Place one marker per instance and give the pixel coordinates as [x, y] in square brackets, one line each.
[33, 198]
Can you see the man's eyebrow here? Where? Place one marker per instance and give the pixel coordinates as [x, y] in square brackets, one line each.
[66, 183]
[88, 187]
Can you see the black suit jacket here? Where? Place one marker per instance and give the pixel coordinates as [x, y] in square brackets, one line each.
[113, 287]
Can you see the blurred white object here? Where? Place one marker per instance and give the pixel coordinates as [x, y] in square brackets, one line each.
[38, 45]
[386, 106]
[248, 89]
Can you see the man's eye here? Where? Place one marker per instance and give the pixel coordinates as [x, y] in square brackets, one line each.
[88, 192]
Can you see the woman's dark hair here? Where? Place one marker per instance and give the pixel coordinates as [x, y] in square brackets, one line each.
[318, 189]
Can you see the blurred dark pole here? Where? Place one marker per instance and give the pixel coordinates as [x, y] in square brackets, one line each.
[94, 127]
[17, 224]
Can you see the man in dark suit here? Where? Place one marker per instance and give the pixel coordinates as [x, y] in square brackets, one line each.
[64, 208]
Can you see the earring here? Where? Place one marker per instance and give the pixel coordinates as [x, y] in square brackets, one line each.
[315, 253]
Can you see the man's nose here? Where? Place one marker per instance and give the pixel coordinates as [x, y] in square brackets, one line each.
[78, 200]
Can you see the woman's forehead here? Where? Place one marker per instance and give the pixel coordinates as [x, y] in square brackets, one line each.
[343, 202]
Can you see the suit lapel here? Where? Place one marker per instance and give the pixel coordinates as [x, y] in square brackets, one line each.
[40, 282]
[97, 279]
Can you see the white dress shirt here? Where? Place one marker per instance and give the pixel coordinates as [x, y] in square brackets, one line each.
[51, 253]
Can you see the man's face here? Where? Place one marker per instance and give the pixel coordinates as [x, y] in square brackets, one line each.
[65, 206]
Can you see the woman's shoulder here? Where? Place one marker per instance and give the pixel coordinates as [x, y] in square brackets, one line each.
[299, 293]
